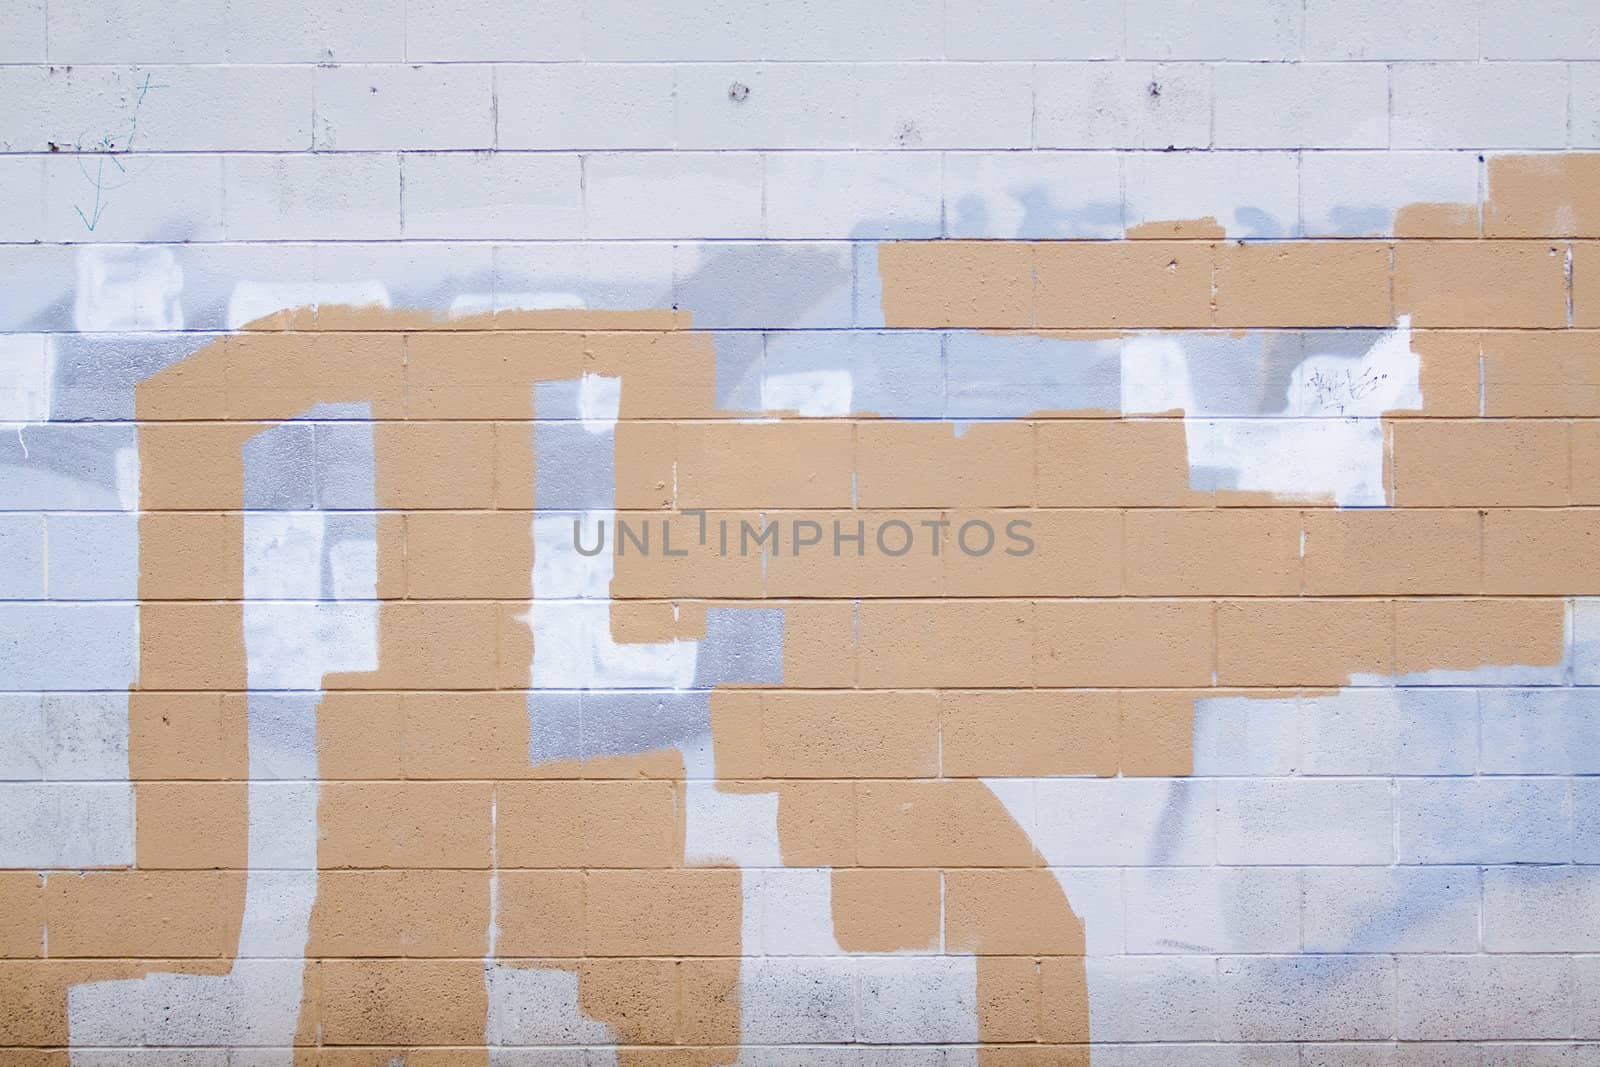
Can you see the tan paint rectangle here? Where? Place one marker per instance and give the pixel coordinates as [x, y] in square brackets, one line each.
[467, 555]
[675, 912]
[1124, 285]
[1157, 733]
[1008, 912]
[662, 555]
[1046, 553]
[1541, 373]
[360, 735]
[1449, 375]
[1584, 439]
[1123, 643]
[1386, 551]
[928, 464]
[884, 909]
[1464, 634]
[817, 823]
[1480, 463]
[191, 825]
[945, 642]
[947, 823]
[404, 824]
[589, 824]
[400, 913]
[765, 464]
[1481, 283]
[1237, 551]
[1541, 552]
[1115, 463]
[540, 913]
[187, 735]
[463, 734]
[485, 375]
[977, 284]
[1555, 195]
[850, 735]
[1029, 732]
[1303, 642]
[22, 915]
[432, 644]
[1586, 284]
[1303, 284]
[847, 566]
[427, 465]
[310, 368]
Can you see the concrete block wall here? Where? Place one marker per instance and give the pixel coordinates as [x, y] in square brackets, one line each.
[1098, 497]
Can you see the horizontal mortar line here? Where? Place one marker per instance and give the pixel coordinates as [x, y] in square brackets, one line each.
[1290, 690]
[1043, 417]
[1083, 776]
[758, 239]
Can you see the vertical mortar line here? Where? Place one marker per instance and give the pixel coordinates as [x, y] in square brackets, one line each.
[494, 105]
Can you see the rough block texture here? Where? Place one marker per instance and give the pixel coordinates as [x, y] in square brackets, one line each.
[800, 532]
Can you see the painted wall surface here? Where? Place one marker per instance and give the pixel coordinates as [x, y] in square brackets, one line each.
[1006, 532]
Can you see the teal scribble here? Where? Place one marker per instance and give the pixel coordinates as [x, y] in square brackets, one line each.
[105, 148]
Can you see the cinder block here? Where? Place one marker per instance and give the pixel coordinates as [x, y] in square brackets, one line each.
[304, 31]
[859, 195]
[1556, 29]
[917, 998]
[1033, 29]
[1308, 997]
[1295, 105]
[845, 30]
[1402, 29]
[1484, 997]
[1304, 821]
[1368, 194]
[25, 753]
[720, 29]
[770, 105]
[1126, 822]
[22, 552]
[1383, 731]
[1390, 909]
[1032, 195]
[1247, 194]
[1133, 999]
[312, 197]
[372, 108]
[1541, 909]
[1203, 910]
[1123, 105]
[765, 285]
[1214, 29]
[1246, 736]
[567, 106]
[1481, 463]
[66, 824]
[1483, 820]
[1479, 105]
[450, 31]
[1541, 731]
[793, 999]
[944, 105]
[1302, 641]
[94, 557]
[23, 212]
[1585, 130]
[663, 195]
[191, 31]
[79, 468]
[139, 197]
[22, 32]
[492, 196]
